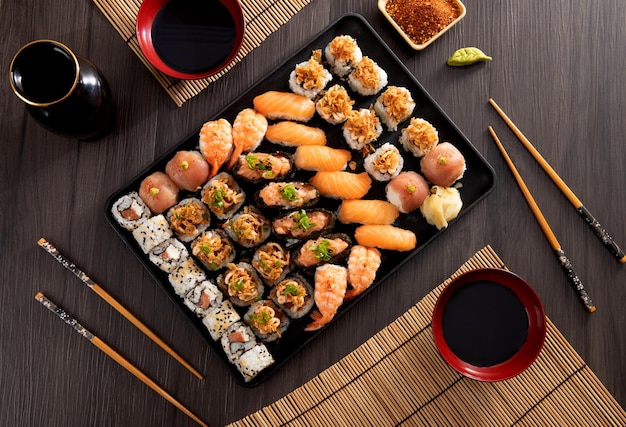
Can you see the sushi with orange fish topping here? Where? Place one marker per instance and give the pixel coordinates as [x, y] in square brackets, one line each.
[293, 134]
[284, 106]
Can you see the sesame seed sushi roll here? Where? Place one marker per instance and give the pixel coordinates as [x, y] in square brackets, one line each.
[151, 232]
[419, 137]
[241, 284]
[223, 195]
[361, 128]
[272, 262]
[253, 361]
[213, 249]
[266, 320]
[385, 163]
[203, 297]
[129, 211]
[220, 318]
[294, 295]
[310, 77]
[189, 218]
[186, 276]
[335, 105]
[238, 339]
[343, 53]
[249, 228]
[394, 106]
[168, 255]
[367, 78]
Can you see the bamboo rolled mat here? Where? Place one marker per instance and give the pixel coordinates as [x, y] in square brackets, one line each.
[262, 18]
[398, 378]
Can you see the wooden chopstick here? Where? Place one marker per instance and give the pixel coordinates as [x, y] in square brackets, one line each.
[547, 231]
[569, 194]
[48, 247]
[114, 355]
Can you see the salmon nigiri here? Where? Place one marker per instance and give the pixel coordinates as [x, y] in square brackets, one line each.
[321, 158]
[385, 237]
[342, 184]
[284, 105]
[367, 212]
[294, 134]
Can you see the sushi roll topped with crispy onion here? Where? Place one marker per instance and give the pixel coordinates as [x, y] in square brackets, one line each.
[249, 227]
[241, 283]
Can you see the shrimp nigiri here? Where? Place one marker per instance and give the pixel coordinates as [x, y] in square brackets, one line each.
[249, 130]
[331, 282]
[216, 143]
[363, 264]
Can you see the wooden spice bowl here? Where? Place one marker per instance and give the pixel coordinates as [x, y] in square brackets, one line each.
[413, 5]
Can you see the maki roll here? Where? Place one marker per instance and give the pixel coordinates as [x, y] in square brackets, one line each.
[384, 163]
[129, 211]
[203, 297]
[343, 53]
[249, 228]
[335, 105]
[168, 255]
[258, 167]
[303, 224]
[361, 128]
[394, 106]
[241, 283]
[213, 249]
[266, 320]
[222, 195]
[220, 318]
[253, 361]
[309, 77]
[237, 339]
[367, 78]
[186, 276]
[294, 295]
[272, 262]
[189, 218]
[419, 137]
[151, 232]
[287, 195]
[324, 249]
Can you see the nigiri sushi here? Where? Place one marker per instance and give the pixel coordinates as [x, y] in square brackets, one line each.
[384, 163]
[367, 212]
[363, 263]
[310, 77]
[443, 165]
[385, 237]
[419, 137]
[367, 78]
[216, 143]
[361, 128]
[331, 282]
[342, 184]
[284, 105]
[407, 191]
[188, 169]
[441, 206]
[321, 158]
[248, 132]
[394, 106]
[342, 53]
[293, 134]
[158, 192]
[335, 105]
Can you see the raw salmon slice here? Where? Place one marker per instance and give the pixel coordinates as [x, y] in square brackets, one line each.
[284, 105]
[367, 212]
[321, 158]
[385, 237]
[294, 134]
[341, 184]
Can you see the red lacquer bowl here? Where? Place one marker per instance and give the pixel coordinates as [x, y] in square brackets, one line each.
[146, 16]
[535, 335]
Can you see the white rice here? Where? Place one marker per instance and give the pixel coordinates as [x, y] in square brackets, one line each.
[186, 277]
[419, 137]
[151, 232]
[133, 202]
[168, 255]
[357, 85]
[194, 297]
[311, 92]
[375, 170]
[219, 319]
[253, 361]
[351, 133]
[234, 350]
[342, 66]
[401, 95]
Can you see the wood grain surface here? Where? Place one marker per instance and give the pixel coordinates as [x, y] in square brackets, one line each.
[557, 71]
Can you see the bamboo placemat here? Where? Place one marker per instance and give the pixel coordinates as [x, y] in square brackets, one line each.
[397, 377]
[262, 18]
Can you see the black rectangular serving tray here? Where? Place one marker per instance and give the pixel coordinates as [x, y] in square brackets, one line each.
[477, 182]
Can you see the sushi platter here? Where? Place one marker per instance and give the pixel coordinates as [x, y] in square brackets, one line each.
[256, 321]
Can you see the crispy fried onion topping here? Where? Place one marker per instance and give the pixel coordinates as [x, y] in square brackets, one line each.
[240, 283]
[270, 261]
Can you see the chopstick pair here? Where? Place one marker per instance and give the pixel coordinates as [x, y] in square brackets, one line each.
[114, 355]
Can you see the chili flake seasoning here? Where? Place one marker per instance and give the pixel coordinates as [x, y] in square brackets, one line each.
[421, 20]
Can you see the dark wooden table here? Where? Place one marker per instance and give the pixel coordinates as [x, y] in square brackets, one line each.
[558, 71]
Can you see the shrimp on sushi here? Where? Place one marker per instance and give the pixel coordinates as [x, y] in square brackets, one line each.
[342, 184]
[363, 264]
[310, 77]
[331, 282]
[293, 134]
[321, 157]
[385, 237]
[284, 106]
[249, 130]
[216, 143]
